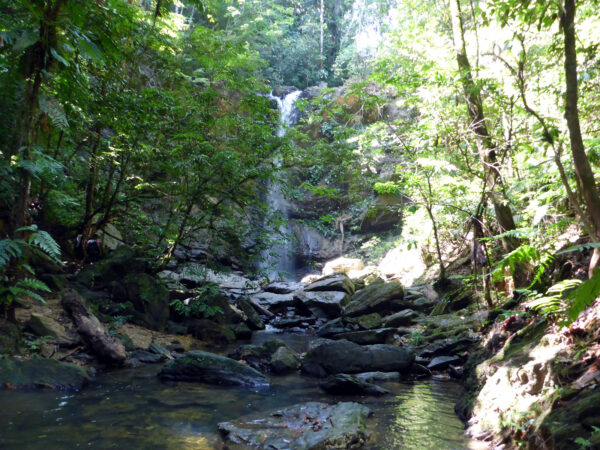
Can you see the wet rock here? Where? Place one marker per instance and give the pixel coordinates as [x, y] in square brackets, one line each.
[402, 318]
[419, 371]
[367, 337]
[347, 357]
[306, 426]
[92, 332]
[442, 362]
[212, 369]
[369, 377]
[209, 331]
[370, 321]
[46, 326]
[146, 357]
[253, 320]
[336, 282]
[285, 360]
[324, 303]
[41, 373]
[291, 322]
[376, 297]
[334, 327]
[346, 384]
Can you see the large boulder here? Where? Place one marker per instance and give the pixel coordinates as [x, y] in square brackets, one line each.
[150, 298]
[335, 282]
[252, 318]
[377, 297]
[367, 337]
[304, 426]
[327, 304]
[209, 331]
[48, 327]
[41, 373]
[402, 318]
[209, 368]
[258, 356]
[283, 287]
[285, 360]
[347, 357]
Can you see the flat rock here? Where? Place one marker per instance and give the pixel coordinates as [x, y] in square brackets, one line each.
[442, 362]
[346, 384]
[274, 302]
[305, 426]
[41, 373]
[376, 297]
[367, 337]
[283, 287]
[402, 318]
[379, 376]
[335, 282]
[348, 357]
[210, 368]
[330, 303]
[46, 326]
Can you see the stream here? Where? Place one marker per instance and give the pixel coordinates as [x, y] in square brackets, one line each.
[132, 408]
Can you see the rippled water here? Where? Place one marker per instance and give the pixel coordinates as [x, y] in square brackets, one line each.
[133, 409]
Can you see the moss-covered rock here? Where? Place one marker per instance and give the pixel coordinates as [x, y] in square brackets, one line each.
[41, 373]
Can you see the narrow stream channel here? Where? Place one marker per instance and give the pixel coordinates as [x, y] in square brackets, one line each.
[133, 409]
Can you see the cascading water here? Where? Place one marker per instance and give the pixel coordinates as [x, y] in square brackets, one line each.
[279, 259]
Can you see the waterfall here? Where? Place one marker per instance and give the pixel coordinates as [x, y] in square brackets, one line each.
[281, 258]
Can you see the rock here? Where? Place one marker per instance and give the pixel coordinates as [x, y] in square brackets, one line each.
[41, 373]
[224, 312]
[253, 320]
[334, 327]
[150, 298]
[309, 425]
[346, 384]
[336, 282]
[291, 322]
[324, 303]
[402, 318]
[194, 274]
[379, 376]
[241, 331]
[209, 368]
[112, 268]
[283, 287]
[347, 357]
[423, 304]
[274, 302]
[376, 297]
[146, 357]
[442, 362]
[367, 337]
[46, 326]
[158, 349]
[370, 321]
[384, 215]
[10, 337]
[209, 331]
[285, 360]
[342, 265]
[258, 356]
[92, 332]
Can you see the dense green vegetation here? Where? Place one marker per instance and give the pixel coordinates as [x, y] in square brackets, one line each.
[152, 117]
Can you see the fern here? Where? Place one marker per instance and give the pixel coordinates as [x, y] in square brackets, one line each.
[55, 111]
[9, 249]
[580, 248]
[524, 253]
[584, 295]
[45, 242]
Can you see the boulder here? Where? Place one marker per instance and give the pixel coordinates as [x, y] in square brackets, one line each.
[347, 357]
[343, 265]
[376, 297]
[335, 282]
[108, 348]
[442, 362]
[150, 298]
[46, 326]
[261, 356]
[367, 337]
[285, 360]
[379, 376]
[324, 303]
[209, 368]
[283, 287]
[402, 318]
[295, 321]
[346, 384]
[209, 331]
[369, 321]
[41, 373]
[274, 302]
[384, 215]
[305, 426]
[334, 327]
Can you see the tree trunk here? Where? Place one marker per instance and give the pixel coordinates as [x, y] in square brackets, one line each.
[583, 170]
[485, 147]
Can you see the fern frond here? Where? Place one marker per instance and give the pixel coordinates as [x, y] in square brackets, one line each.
[55, 111]
[33, 283]
[523, 253]
[584, 295]
[18, 291]
[9, 249]
[580, 248]
[45, 242]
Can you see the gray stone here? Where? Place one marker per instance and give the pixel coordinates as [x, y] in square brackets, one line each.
[209, 331]
[367, 337]
[46, 326]
[283, 287]
[442, 362]
[335, 282]
[334, 327]
[330, 303]
[209, 368]
[253, 320]
[308, 426]
[379, 376]
[41, 373]
[274, 302]
[347, 357]
[370, 321]
[376, 297]
[402, 318]
[285, 360]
